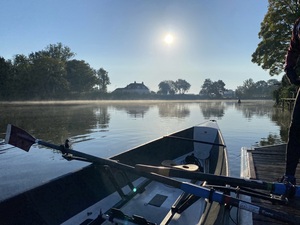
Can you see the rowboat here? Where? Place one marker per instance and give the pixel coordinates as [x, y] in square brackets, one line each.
[103, 190]
[166, 181]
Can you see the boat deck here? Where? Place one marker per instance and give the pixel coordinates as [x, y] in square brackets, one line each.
[268, 164]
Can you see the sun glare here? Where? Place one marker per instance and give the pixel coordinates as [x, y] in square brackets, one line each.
[169, 39]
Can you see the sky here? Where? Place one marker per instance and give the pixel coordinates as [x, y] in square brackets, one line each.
[211, 39]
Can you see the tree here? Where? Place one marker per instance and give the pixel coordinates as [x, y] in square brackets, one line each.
[275, 35]
[219, 88]
[103, 79]
[259, 89]
[273, 82]
[48, 74]
[22, 76]
[42, 74]
[49, 78]
[212, 89]
[206, 87]
[81, 77]
[249, 86]
[182, 86]
[5, 77]
[55, 51]
[167, 87]
[247, 90]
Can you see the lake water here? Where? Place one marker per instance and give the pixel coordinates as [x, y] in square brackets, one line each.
[105, 129]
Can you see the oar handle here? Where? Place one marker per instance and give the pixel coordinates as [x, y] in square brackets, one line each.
[216, 196]
[211, 178]
[274, 188]
[286, 189]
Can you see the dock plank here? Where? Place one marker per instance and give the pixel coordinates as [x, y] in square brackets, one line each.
[268, 164]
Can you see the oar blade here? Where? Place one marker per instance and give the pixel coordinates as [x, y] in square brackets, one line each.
[19, 138]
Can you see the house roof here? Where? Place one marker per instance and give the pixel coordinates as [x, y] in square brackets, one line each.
[136, 85]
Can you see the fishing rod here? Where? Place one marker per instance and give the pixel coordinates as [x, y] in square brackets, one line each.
[19, 138]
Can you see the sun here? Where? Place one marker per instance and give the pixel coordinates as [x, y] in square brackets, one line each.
[169, 39]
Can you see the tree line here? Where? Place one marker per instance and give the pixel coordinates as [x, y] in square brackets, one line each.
[52, 73]
[179, 86]
[216, 89]
[249, 90]
[49, 74]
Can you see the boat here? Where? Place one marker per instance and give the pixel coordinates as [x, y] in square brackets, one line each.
[166, 181]
[103, 192]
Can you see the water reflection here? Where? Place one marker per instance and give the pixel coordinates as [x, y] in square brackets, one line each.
[102, 117]
[213, 109]
[282, 119]
[57, 122]
[133, 110]
[178, 110]
[249, 109]
[255, 108]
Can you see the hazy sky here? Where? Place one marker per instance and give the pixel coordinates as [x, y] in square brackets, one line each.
[211, 38]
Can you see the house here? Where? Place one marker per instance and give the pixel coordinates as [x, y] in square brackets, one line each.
[137, 88]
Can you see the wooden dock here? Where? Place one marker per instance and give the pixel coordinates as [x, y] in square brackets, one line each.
[268, 164]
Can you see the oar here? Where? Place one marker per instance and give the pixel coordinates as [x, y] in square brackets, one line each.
[248, 192]
[274, 188]
[21, 139]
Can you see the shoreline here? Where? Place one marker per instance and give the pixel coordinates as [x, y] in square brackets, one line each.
[79, 102]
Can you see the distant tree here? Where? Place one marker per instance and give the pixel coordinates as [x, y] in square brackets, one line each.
[55, 51]
[6, 78]
[167, 87]
[81, 77]
[42, 74]
[103, 79]
[206, 88]
[250, 87]
[219, 88]
[212, 89]
[275, 33]
[48, 74]
[273, 82]
[49, 78]
[259, 89]
[22, 76]
[182, 86]
[48, 71]
[247, 90]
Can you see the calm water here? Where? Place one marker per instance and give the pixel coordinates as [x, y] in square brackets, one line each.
[105, 129]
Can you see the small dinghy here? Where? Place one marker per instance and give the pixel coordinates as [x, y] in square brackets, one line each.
[165, 181]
